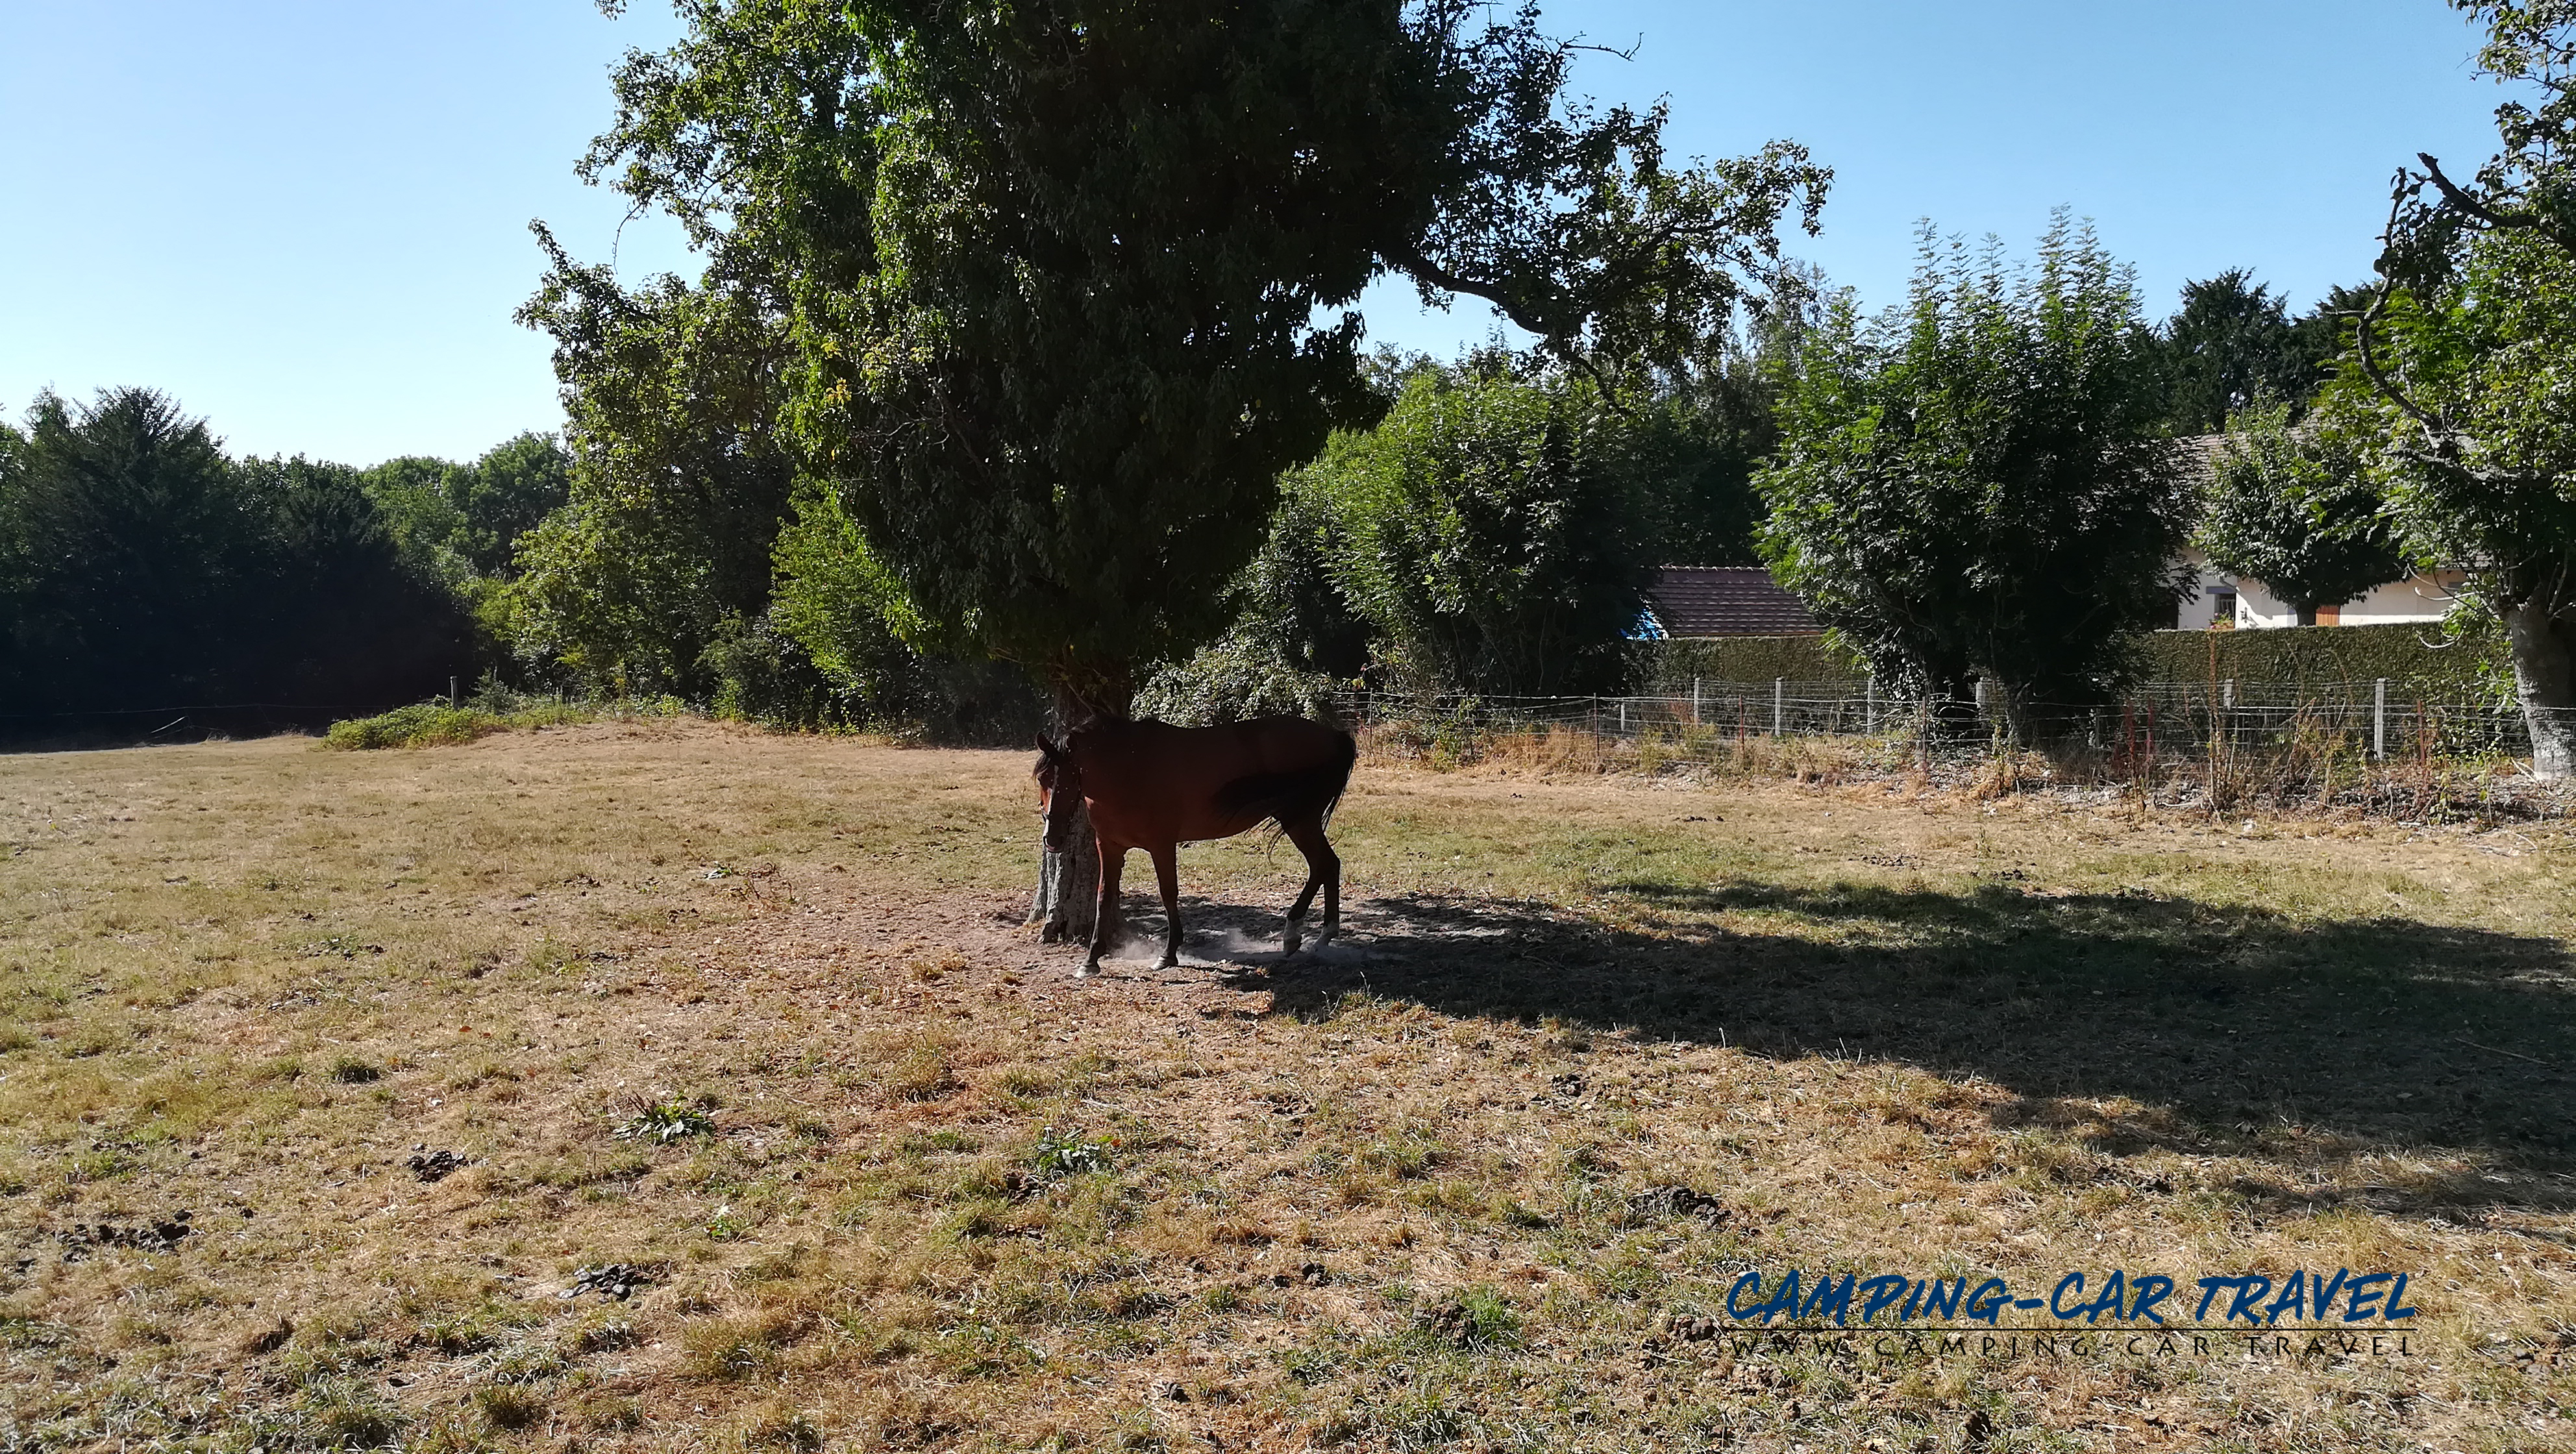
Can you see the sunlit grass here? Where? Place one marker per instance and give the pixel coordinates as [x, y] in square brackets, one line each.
[922, 1188]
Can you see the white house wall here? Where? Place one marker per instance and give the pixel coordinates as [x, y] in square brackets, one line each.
[2209, 584]
[2257, 609]
[2425, 598]
[2418, 601]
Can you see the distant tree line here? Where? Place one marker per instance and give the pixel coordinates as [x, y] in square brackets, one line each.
[142, 567]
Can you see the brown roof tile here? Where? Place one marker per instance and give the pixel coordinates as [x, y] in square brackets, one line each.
[1726, 600]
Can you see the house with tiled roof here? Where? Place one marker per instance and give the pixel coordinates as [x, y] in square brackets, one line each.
[1722, 600]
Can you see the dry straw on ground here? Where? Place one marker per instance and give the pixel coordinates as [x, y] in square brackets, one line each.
[742, 1025]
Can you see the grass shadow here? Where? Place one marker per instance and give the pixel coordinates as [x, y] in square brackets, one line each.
[2303, 1042]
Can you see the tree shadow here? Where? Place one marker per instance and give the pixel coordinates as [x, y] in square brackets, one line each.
[2237, 1030]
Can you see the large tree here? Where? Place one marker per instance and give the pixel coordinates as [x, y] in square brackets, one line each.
[1491, 529]
[1978, 483]
[2466, 351]
[2296, 509]
[1067, 283]
[679, 481]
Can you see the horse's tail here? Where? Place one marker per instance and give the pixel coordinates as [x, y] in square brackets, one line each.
[1284, 795]
[1346, 755]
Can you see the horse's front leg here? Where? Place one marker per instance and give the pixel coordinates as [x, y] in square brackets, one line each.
[1104, 922]
[1167, 871]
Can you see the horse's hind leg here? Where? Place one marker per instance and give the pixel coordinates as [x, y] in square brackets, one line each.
[1324, 871]
[1168, 874]
[1297, 914]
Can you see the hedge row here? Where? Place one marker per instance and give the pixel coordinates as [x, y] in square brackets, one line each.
[1667, 668]
[2319, 662]
[2339, 662]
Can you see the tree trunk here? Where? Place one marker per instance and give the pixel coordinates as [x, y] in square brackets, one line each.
[2307, 612]
[2041, 714]
[1068, 895]
[2541, 625]
[1067, 900]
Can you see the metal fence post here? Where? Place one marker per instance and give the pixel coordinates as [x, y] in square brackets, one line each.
[1694, 701]
[1623, 716]
[1779, 701]
[1869, 692]
[2379, 718]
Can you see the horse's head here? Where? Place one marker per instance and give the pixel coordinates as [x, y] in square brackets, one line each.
[1059, 792]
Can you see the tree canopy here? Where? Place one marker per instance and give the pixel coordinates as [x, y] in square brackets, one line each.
[2233, 346]
[678, 484]
[1064, 286]
[2297, 510]
[1978, 483]
[460, 523]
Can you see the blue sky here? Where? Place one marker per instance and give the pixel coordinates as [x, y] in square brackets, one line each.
[307, 219]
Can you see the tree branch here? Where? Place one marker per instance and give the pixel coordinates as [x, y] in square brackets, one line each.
[1412, 260]
[2370, 363]
[2468, 205]
[2379, 299]
[2463, 202]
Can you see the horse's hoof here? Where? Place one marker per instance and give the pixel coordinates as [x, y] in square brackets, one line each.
[1088, 971]
[1288, 946]
[1170, 961]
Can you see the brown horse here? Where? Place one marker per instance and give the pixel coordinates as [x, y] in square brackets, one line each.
[1154, 786]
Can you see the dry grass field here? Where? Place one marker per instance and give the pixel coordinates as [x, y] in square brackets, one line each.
[748, 1021]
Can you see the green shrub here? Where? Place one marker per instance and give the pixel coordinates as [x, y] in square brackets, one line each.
[1239, 677]
[427, 725]
[435, 724]
[663, 1121]
[1061, 1154]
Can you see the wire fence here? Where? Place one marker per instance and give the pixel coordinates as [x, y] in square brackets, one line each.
[2381, 719]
